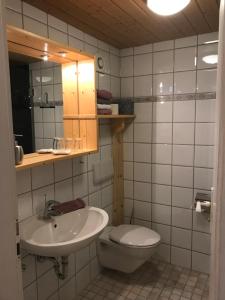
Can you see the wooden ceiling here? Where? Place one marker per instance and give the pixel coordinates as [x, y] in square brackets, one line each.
[127, 23]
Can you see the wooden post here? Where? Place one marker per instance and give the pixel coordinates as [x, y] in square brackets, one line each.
[118, 127]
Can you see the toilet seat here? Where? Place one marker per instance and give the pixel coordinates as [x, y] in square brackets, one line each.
[134, 236]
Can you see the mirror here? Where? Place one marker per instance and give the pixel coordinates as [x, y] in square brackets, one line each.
[53, 97]
[37, 101]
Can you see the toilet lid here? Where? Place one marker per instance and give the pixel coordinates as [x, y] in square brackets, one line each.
[134, 235]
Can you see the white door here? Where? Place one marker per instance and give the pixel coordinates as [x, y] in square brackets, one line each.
[10, 269]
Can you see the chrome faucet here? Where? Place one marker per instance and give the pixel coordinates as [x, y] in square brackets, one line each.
[49, 210]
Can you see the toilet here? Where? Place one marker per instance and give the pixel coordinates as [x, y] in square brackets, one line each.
[126, 247]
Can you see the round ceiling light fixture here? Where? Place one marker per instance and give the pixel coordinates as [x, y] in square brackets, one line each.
[166, 7]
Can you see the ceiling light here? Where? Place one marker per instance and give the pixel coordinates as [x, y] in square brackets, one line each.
[44, 57]
[210, 59]
[166, 7]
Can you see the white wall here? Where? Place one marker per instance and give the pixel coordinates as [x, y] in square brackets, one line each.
[168, 151]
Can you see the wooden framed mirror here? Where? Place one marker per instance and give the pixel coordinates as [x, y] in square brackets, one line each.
[61, 97]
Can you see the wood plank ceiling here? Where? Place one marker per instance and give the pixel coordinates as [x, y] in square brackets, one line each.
[127, 23]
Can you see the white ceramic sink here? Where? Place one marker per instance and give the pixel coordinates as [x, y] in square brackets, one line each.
[63, 234]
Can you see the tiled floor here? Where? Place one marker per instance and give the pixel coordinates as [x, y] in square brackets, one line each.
[154, 280]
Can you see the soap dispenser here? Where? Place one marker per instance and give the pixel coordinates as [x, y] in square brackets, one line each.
[18, 153]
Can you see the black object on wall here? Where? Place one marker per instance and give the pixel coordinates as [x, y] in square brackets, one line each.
[21, 105]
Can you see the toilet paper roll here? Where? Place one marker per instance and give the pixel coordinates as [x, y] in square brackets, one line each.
[115, 109]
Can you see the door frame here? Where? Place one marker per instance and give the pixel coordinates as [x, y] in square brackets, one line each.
[10, 266]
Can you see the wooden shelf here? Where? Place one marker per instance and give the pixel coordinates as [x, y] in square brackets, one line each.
[115, 116]
[36, 159]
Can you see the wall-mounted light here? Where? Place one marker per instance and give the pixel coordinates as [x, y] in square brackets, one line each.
[211, 59]
[44, 57]
[212, 42]
[167, 7]
[62, 53]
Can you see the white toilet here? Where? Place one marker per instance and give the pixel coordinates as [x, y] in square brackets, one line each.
[126, 247]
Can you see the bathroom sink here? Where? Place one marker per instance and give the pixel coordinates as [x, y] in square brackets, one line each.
[63, 234]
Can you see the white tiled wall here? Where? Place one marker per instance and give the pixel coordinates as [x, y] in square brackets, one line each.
[68, 179]
[168, 151]
[62, 181]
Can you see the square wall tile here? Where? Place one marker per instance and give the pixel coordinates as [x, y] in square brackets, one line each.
[128, 207]
[165, 45]
[47, 284]
[143, 86]
[183, 133]
[181, 238]
[163, 84]
[23, 181]
[207, 56]
[161, 153]
[161, 214]
[143, 112]
[35, 26]
[163, 253]
[142, 152]
[182, 176]
[205, 110]
[206, 80]
[203, 178]
[115, 86]
[142, 172]
[128, 170]
[127, 66]
[143, 49]
[161, 194]
[142, 133]
[13, 18]
[67, 291]
[142, 191]
[200, 262]
[30, 293]
[24, 206]
[182, 217]
[185, 59]
[83, 279]
[42, 176]
[39, 15]
[162, 133]
[186, 42]
[29, 275]
[64, 191]
[142, 210]
[182, 197]
[80, 185]
[184, 111]
[204, 156]
[181, 257]
[163, 230]
[127, 86]
[128, 152]
[161, 174]
[56, 23]
[128, 189]
[163, 62]
[63, 169]
[201, 242]
[143, 64]
[14, 5]
[162, 111]
[184, 82]
[205, 134]
[183, 155]
[115, 65]
[128, 133]
[76, 43]
[82, 258]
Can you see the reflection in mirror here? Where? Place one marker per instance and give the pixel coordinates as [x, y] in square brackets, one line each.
[37, 101]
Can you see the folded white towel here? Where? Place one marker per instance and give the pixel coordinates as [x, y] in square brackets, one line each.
[104, 106]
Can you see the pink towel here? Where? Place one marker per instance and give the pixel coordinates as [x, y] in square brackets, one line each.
[69, 206]
[103, 94]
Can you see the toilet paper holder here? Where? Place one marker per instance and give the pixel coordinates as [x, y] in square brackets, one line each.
[203, 202]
